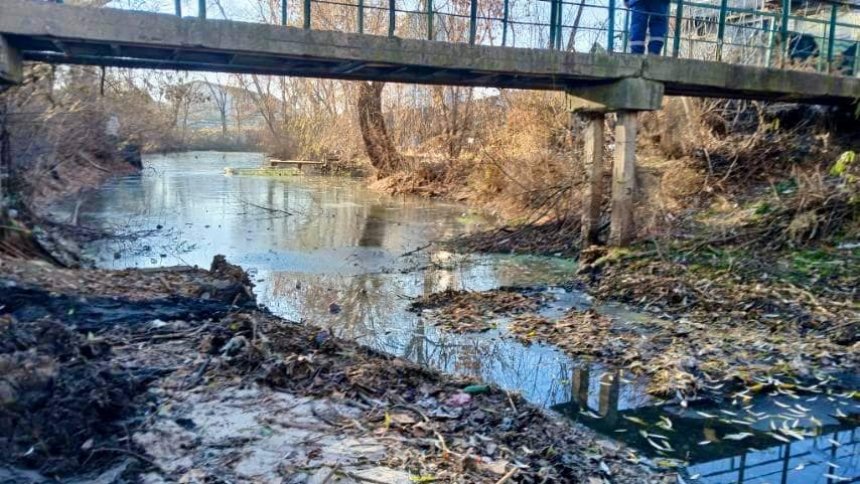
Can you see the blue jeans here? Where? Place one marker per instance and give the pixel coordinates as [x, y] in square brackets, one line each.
[648, 18]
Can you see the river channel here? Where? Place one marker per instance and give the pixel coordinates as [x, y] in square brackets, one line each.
[328, 251]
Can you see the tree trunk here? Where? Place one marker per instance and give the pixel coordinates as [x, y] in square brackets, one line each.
[381, 151]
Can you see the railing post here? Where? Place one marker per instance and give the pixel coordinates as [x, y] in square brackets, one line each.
[360, 19]
[559, 32]
[177, 7]
[626, 46]
[821, 60]
[201, 8]
[834, 10]
[721, 28]
[392, 17]
[679, 17]
[768, 55]
[430, 35]
[610, 41]
[783, 28]
[307, 14]
[505, 24]
[283, 12]
[552, 22]
[473, 21]
[856, 70]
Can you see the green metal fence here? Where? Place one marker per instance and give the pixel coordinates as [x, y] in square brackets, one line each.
[826, 39]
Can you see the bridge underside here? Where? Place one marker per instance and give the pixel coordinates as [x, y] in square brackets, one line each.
[63, 34]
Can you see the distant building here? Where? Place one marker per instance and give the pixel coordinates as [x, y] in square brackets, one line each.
[233, 103]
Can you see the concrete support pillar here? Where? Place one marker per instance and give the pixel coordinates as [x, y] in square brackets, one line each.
[11, 68]
[621, 228]
[626, 97]
[592, 194]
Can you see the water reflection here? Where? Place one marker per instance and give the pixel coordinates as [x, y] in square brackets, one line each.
[314, 244]
[702, 436]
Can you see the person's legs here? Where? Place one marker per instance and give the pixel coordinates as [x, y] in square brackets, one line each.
[638, 26]
[658, 25]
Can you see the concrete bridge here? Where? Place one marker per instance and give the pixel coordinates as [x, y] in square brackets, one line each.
[596, 82]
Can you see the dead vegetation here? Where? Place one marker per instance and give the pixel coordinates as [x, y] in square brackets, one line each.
[696, 354]
[705, 156]
[62, 401]
[468, 311]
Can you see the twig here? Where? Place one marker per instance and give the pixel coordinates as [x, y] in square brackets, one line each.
[507, 476]
[263, 207]
[364, 479]
[411, 409]
[416, 250]
[511, 401]
[198, 375]
[445, 449]
[331, 473]
[92, 162]
[127, 452]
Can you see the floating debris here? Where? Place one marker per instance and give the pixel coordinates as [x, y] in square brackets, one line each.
[468, 311]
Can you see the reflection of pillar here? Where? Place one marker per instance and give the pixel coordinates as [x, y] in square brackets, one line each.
[609, 391]
[416, 346]
[742, 467]
[785, 459]
[710, 434]
[579, 384]
[442, 279]
[373, 233]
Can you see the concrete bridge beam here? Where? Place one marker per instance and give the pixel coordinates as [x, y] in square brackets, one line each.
[627, 94]
[627, 97]
[11, 68]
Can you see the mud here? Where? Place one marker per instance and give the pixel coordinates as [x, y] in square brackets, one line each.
[64, 403]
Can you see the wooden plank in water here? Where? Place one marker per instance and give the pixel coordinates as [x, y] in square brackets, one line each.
[273, 161]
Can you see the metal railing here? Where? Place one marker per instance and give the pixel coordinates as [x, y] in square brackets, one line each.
[825, 39]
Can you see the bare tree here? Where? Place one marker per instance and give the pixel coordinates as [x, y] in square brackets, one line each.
[220, 96]
[381, 151]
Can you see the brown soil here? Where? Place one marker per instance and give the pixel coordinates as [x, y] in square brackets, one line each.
[559, 238]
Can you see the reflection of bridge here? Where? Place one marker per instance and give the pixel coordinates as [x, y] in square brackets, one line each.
[599, 402]
[597, 82]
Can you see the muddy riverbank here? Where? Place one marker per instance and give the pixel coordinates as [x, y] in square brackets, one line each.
[174, 374]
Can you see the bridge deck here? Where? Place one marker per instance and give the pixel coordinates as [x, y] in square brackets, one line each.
[64, 34]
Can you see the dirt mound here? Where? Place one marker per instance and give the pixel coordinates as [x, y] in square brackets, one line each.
[61, 400]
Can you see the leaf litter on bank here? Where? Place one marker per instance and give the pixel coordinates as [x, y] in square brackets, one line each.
[471, 311]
